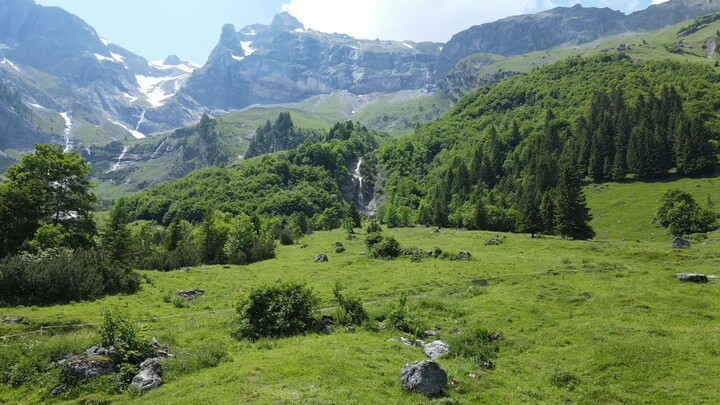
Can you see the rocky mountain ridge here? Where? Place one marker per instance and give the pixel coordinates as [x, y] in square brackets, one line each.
[562, 25]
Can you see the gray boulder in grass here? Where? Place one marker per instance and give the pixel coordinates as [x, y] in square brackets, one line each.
[426, 377]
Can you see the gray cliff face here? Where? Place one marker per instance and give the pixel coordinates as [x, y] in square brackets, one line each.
[529, 33]
[283, 62]
[574, 25]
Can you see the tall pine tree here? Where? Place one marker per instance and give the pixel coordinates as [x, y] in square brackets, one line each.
[572, 215]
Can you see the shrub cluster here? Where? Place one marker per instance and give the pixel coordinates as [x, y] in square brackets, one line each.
[279, 310]
[62, 275]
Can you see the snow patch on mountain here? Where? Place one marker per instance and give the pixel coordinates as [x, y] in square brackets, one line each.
[249, 32]
[154, 89]
[117, 58]
[6, 61]
[185, 67]
[134, 133]
[105, 41]
[247, 48]
[237, 58]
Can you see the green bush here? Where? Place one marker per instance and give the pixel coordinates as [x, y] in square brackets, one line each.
[401, 319]
[373, 239]
[57, 276]
[374, 227]
[388, 248]
[679, 212]
[274, 311]
[351, 310]
[119, 332]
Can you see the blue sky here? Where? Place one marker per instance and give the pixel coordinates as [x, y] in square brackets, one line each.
[191, 28]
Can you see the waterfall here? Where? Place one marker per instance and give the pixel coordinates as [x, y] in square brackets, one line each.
[157, 151]
[142, 118]
[66, 134]
[119, 160]
[358, 177]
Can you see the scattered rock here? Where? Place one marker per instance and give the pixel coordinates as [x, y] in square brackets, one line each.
[692, 278]
[321, 258]
[585, 294]
[328, 323]
[481, 282]
[109, 352]
[463, 255]
[456, 332]
[11, 321]
[149, 377]
[416, 259]
[488, 365]
[304, 246]
[680, 243]
[419, 342]
[496, 336]
[540, 296]
[624, 48]
[58, 391]
[472, 375]
[189, 295]
[435, 230]
[494, 241]
[437, 349]
[338, 245]
[406, 341]
[426, 377]
[430, 333]
[713, 277]
[392, 340]
[552, 273]
[84, 366]
[160, 351]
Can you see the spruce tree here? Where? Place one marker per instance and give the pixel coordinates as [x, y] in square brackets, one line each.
[572, 214]
[116, 239]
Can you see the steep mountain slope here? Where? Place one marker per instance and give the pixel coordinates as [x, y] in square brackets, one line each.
[573, 26]
[58, 63]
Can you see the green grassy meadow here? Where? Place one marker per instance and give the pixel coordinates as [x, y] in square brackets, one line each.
[609, 324]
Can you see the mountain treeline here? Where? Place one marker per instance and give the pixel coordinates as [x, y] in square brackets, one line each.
[503, 158]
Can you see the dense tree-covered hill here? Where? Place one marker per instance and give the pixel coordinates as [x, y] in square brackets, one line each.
[498, 154]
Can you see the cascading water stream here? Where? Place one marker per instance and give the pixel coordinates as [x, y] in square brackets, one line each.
[358, 177]
[120, 159]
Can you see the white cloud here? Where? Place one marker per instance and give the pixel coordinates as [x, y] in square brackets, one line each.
[404, 19]
[422, 20]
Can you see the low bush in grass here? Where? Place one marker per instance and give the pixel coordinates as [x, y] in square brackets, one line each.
[351, 310]
[477, 344]
[119, 332]
[381, 247]
[274, 311]
[401, 318]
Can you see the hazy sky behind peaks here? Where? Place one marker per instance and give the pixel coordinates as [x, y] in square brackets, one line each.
[191, 28]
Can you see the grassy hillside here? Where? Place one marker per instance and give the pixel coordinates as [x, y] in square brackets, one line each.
[612, 326]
